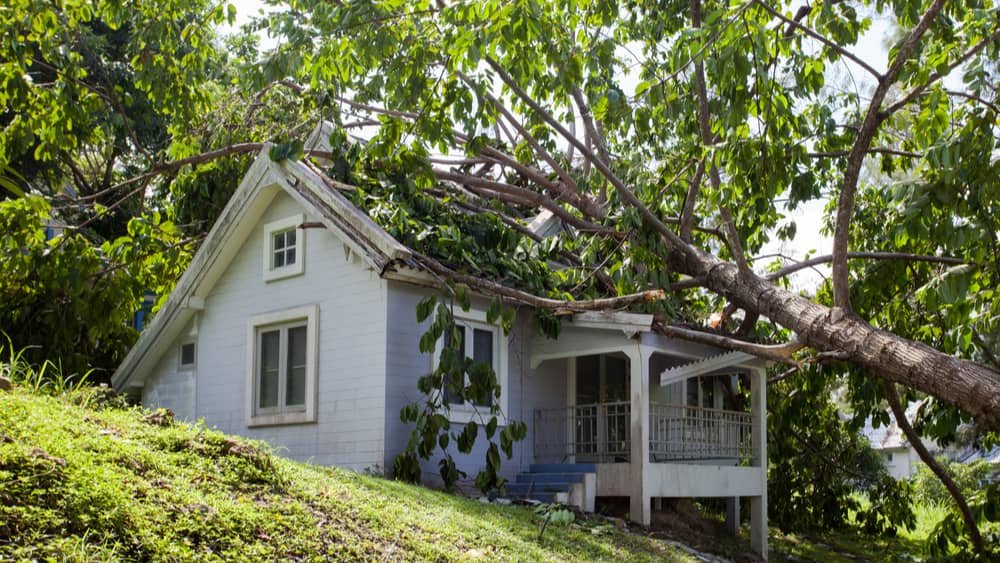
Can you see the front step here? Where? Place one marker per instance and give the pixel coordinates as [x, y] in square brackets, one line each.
[550, 477]
[569, 483]
[562, 468]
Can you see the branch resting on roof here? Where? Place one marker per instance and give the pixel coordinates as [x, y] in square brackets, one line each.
[777, 352]
[490, 287]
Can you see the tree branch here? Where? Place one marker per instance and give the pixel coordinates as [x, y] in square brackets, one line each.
[173, 166]
[687, 210]
[838, 154]
[569, 188]
[873, 118]
[490, 287]
[792, 268]
[523, 196]
[938, 75]
[900, 414]
[669, 236]
[777, 352]
[793, 23]
[707, 139]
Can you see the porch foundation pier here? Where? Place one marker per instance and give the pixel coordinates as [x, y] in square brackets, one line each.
[639, 499]
[733, 515]
[758, 421]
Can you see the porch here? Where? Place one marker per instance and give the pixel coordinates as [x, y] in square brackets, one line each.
[656, 417]
[601, 433]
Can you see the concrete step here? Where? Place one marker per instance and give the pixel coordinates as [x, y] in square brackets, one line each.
[550, 477]
[563, 468]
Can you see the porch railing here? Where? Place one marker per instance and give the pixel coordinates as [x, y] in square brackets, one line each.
[680, 432]
[601, 433]
[595, 433]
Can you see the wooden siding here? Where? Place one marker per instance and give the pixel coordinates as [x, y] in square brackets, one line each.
[350, 423]
[170, 387]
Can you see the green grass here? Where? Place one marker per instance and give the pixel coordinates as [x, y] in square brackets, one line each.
[91, 482]
[852, 544]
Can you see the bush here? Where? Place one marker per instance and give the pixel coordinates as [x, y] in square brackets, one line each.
[968, 477]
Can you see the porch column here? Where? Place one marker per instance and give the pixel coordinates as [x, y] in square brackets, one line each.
[758, 421]
[639, 501]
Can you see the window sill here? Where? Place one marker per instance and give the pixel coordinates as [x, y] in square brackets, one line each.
[283, 273]
[464, 415]
[280, 419]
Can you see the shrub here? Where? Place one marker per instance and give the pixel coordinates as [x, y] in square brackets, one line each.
[968, 477]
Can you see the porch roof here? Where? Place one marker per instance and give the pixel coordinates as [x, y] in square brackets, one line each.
[708, 365]
[605, 332]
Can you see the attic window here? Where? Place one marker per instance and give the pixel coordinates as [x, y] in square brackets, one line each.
[187, 359]
[284, 248]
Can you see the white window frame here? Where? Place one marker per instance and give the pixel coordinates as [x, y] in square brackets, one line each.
[289, 270]
[466, 412]
[181, 366]
[307, 315]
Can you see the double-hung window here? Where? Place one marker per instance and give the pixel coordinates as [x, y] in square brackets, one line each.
[480, 345]
[281, 374]
[284, 248]
[483, 343]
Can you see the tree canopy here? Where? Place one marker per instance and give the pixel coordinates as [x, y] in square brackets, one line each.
[672, 140]
[689, 130]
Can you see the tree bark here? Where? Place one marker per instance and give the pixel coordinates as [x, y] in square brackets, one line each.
[904, 424]
[970, 386]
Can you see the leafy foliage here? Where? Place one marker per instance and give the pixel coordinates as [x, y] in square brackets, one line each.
[968, 476]
[66, 301]
[950, 534]
[457, 377]
[820, 463]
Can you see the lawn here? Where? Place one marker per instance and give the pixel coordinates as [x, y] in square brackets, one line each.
[852, 544]
[82, 480]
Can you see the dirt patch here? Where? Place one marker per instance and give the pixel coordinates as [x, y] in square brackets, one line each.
[159, 417]
[680, 520]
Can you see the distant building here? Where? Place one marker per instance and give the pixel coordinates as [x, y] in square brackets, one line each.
[900, 459]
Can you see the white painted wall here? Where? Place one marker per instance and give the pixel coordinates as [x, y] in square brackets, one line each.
[903, 464]
[171, 387]
[350, 424]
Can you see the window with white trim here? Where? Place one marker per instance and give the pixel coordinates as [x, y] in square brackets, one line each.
[281, 367]
[483, 343]
[284, 248]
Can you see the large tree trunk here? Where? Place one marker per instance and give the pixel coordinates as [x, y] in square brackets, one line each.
[970, 386]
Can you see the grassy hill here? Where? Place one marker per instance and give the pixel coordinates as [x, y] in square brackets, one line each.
[82, 478]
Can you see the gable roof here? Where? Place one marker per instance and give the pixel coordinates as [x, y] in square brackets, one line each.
[262, 182]
[321, 196]
[890, 436]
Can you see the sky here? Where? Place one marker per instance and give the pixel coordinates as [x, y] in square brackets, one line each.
[808, 217]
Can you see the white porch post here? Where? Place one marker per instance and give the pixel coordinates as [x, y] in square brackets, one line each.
[758, 421]
[639, 451]
[570, 453]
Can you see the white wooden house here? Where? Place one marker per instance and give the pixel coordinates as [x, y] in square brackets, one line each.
[296, 324]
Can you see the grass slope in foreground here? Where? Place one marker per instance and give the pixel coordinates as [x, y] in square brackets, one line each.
[107, 483]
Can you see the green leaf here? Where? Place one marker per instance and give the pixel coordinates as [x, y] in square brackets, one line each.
[462, 296]
[424, 308]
